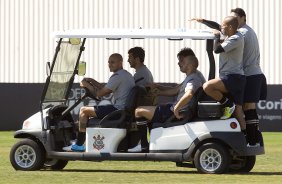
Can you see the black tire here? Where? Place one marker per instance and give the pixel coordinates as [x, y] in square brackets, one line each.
[243, 164]
[212, 158]
[55, 164]
[27, 155]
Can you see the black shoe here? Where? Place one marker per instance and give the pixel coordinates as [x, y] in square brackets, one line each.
[145, 150]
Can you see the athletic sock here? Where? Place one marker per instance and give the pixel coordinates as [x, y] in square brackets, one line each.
[251, 119]
[143, 136]
[81, 138]
[225, 102]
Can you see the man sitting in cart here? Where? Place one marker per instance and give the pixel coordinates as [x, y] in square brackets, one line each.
[188, 64]
[120, 84]
[142, 77]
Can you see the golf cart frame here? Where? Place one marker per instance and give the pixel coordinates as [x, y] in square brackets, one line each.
[48, 131]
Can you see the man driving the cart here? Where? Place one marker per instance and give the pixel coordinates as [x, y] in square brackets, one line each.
[120, 84]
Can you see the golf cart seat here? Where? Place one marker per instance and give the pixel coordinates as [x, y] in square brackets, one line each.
[120, 118]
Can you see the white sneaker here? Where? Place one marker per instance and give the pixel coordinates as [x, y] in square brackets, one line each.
[67, 148]
[135, 149]
[253, 146]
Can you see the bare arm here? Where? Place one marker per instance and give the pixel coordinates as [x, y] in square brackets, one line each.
[185, 99]
[104, 91]
[93, 82]
[95, 87]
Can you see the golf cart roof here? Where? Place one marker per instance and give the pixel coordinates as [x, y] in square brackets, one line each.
[137, 33]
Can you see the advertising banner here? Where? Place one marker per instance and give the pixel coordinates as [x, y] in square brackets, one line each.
[20, 101]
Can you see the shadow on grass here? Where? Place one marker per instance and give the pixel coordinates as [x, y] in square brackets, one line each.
[259, 173]
[164, 172]
[125, 171]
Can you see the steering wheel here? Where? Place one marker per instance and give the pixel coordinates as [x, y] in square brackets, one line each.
[90, 94]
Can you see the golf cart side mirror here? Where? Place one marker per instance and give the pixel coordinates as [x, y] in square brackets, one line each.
[75, 41]
[48, 68]
[81, 68]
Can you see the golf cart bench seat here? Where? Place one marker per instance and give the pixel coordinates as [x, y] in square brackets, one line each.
[121, 118]
[200, 107]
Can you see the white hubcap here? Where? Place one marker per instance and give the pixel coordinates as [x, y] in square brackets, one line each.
[210, 160]
[25, 156]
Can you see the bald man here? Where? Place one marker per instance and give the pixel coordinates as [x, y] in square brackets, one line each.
[120, 84]
[256, 86]
[228, 89]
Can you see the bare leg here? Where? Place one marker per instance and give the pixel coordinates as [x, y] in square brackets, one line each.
[84, 114]
[145, 111]
[215, 89]
[239, 115]
[248, 106]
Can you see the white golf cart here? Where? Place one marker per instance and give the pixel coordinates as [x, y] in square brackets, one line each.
[198, 140]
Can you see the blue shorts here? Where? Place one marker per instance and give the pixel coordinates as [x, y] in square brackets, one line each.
[235, 85]
[255, 89]
[162, 113]
[104, 110]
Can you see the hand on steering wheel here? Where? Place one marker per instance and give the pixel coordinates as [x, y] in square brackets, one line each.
[87, 85]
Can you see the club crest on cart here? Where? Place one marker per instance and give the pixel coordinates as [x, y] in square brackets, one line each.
[98, 142]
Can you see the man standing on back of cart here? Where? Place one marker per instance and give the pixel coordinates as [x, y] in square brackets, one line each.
[120, 84]
[228, 89]
[256, 87]
[142, 77]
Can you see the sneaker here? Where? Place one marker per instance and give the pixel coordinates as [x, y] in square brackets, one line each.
[75, 148]
[136, 149]
[227, 112]
[253, 146]
[67, 148]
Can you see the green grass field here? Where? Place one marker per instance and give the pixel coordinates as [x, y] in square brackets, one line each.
[268, 169]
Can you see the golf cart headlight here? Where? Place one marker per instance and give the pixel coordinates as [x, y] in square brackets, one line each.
[26, 124]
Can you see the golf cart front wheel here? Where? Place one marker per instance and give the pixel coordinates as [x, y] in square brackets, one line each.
[27, 155]
[212, 158]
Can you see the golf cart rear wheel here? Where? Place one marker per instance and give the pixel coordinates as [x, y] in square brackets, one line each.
[27, 155]
[243, 164]
[55, 164]
[212, 158]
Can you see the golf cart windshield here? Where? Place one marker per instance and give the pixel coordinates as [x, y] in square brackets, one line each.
[62, 72]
